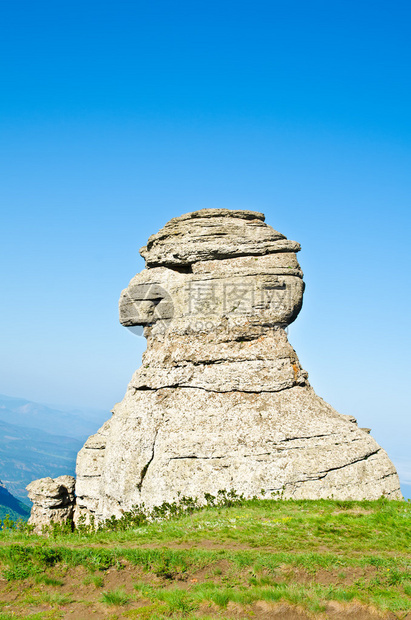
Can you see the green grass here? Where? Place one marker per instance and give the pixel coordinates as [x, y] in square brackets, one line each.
[115, 597]
[48, 581]
[305, 553]
[342, 526]
[313, 597]
[96, 580]
[54, 599]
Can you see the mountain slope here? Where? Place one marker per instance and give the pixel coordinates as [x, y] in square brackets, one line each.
[38, 440]
[28, 453]
[11, 506]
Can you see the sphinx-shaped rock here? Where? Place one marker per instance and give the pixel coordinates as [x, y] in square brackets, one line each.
[53, 501]
[221, 400]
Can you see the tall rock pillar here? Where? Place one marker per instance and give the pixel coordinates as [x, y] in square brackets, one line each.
[221, 400]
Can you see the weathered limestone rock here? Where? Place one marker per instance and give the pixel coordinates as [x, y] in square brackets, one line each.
[53, 501]
[221, 400]
[204, 235]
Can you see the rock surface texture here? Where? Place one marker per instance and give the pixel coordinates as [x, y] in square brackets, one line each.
[221, 400]
[53, 501]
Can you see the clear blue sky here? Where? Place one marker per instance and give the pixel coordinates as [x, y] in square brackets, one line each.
[117, 116]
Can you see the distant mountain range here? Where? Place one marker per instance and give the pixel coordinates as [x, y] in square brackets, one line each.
[38, 441]
[11, 506]
[72, 423]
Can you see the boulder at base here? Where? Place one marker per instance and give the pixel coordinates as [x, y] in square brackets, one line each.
[53, 501]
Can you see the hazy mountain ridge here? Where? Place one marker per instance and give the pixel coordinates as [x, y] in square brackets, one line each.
[71, 423]
[38, 441]
[27, 454]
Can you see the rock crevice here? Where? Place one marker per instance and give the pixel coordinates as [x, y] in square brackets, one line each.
[147, 465]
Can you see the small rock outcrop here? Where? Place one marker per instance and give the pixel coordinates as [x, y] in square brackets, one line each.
[53, 501]
[221, 400]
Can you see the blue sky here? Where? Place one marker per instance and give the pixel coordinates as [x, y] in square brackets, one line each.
[115, 117]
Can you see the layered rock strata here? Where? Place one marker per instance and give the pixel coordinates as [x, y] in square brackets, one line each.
[221, 400]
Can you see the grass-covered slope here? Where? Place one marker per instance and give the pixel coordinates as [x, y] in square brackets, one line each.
[260, 559]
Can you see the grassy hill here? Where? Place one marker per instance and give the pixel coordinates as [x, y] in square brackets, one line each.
[257, 559]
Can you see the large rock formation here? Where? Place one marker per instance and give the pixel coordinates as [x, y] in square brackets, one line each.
[221, 400]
